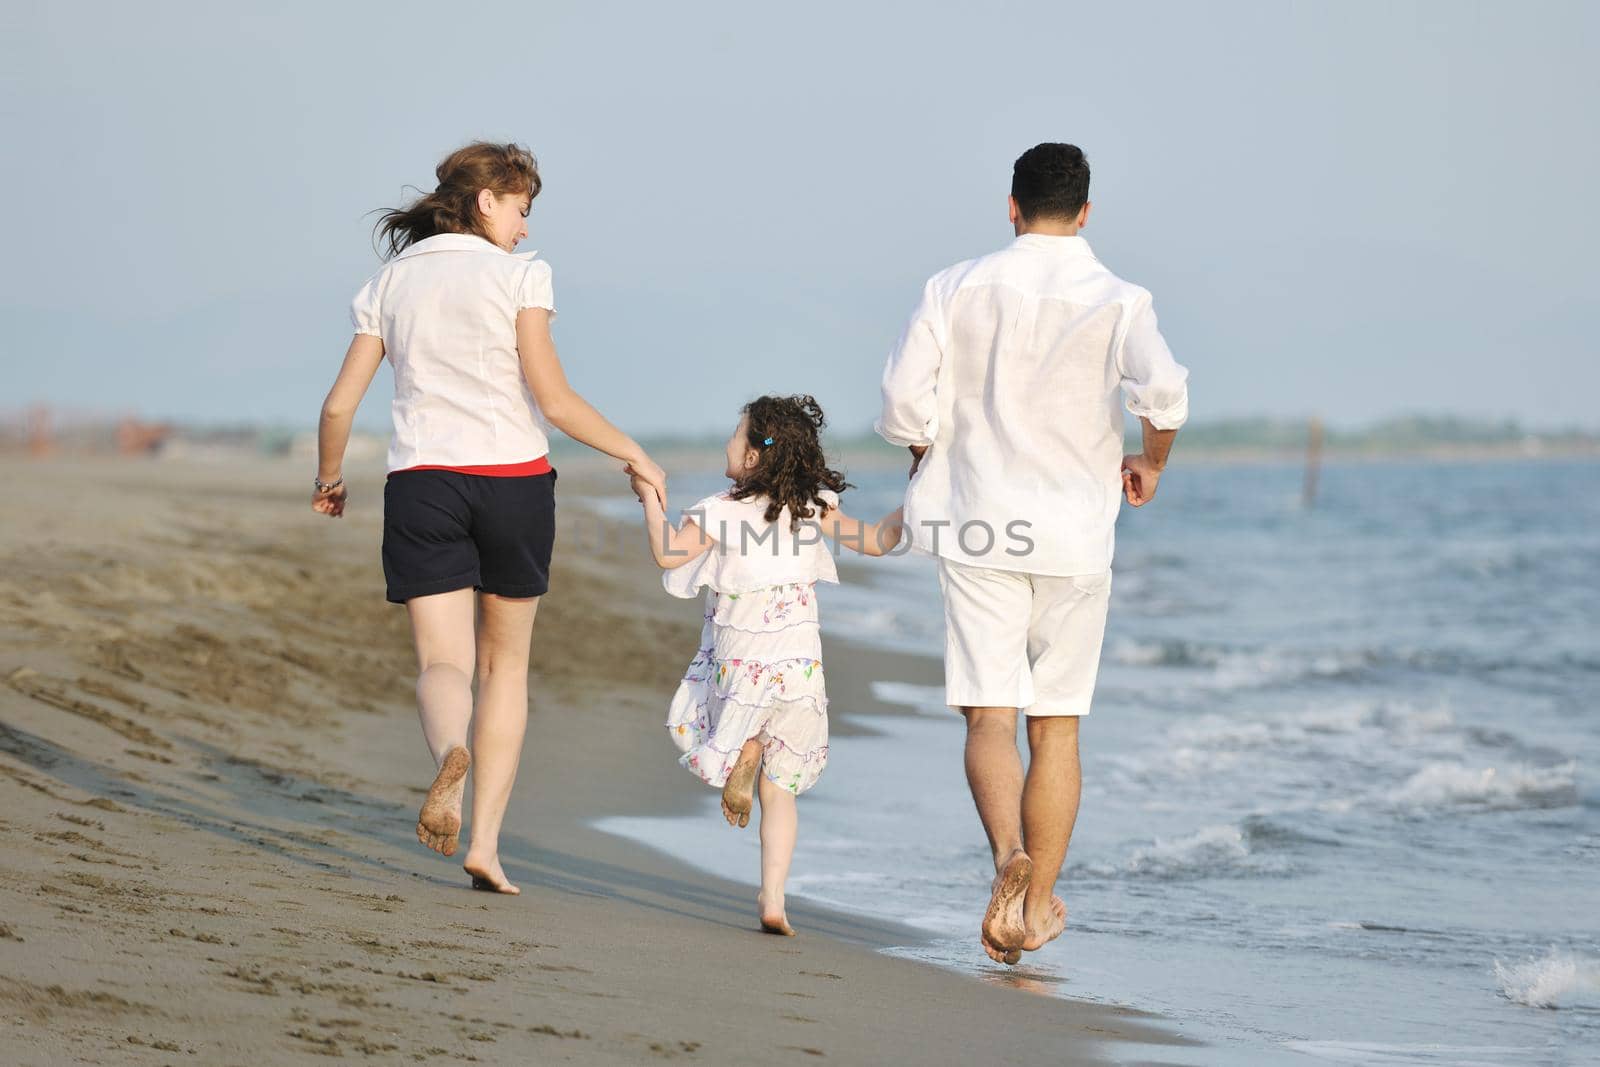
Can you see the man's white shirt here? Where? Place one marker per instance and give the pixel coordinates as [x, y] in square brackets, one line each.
[1010, 370]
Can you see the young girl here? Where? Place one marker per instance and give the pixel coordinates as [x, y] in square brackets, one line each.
[752, 707]
[469, 506]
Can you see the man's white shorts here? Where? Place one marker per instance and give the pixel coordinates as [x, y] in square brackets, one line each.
[1017, 640]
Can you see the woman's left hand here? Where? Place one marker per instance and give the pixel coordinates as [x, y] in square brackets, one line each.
[329, 503]
[650, 472]
[641, 488]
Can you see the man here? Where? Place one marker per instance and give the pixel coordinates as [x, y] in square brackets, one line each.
[1005, 388]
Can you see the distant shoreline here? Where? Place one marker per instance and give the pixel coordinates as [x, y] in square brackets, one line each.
[868, 456]
[1419, 439]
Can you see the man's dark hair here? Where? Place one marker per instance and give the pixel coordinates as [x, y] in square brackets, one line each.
[1050, 181]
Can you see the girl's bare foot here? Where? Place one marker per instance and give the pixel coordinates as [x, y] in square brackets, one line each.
[488, 877]
[1047, 927]
[1004, 929]
[774, 920]
[439, 822]
[738, 793]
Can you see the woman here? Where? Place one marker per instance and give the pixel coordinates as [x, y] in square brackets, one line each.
[469, 506]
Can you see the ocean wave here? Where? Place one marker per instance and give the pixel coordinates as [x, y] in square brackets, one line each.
[1555, 980]
[1454, 785]
[1369, 1053]
[904, 629]
[1210, 849]
[1241, 667]
[1398, 722]
[1261, 833]
[1223, 850]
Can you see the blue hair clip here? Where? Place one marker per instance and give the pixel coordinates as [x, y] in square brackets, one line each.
[768, 441]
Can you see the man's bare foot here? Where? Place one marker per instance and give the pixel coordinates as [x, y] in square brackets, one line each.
[738, 794]
[439, 822]
[1009, 958]
[1047, 927]
[774, 920]
[1003, 927]
[487, 877]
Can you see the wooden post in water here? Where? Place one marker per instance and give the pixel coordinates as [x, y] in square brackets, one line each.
[1313, 462]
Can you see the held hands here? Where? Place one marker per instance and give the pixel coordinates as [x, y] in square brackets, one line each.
[645, 472]
[330, 503]
[641, 489]
[1139, 479]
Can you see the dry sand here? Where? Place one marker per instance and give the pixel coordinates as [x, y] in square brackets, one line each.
[210, 767]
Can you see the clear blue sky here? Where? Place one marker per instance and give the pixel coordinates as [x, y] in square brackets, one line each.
[1348, 209]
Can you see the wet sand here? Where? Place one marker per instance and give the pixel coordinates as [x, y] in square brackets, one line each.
[211, 768]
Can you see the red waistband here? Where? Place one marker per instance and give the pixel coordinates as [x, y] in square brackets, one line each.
[490, 470]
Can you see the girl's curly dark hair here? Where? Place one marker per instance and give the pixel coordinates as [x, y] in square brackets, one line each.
[792, 468]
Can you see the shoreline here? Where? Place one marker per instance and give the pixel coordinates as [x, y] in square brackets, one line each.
[211, 760]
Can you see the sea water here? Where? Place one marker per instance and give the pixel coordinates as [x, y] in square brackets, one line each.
[1339, 796]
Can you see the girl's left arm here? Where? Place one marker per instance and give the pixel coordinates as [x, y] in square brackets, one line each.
[670, 548]
[361, 361]
[868, 538]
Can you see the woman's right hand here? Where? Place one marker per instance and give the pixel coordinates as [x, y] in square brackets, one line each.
[330, 503]
[649, 471]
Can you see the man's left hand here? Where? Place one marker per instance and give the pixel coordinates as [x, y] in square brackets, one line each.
[1139, 479]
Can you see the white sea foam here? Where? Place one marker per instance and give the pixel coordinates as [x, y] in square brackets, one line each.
[1209, 848]
[1370, 1052]
[1278, 748]
[855, 616]
[1454, 785]
[1218, 667]
[1220, 850]
[1555, 980]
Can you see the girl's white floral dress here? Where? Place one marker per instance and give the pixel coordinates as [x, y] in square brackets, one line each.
[759, 669]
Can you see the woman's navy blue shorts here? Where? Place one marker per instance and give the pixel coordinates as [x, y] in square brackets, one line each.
[443, 530]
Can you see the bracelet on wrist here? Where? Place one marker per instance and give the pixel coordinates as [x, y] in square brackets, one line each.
[328, 487]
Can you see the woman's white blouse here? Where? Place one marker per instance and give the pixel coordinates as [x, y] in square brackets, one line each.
[446, 311]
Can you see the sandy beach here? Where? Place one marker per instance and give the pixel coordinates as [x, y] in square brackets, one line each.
[211, 768]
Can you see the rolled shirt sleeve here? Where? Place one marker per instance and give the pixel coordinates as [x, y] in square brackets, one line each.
[910, 399]
[1154, 385]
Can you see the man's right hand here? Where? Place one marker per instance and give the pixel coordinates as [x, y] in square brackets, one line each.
[1140, 475]
[917, 452]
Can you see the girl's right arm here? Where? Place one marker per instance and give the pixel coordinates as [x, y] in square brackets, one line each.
[670, 547]
[571, 413]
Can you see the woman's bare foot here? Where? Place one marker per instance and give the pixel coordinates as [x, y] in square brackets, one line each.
[1047, 927]
[738, 793]
[1004, 929]
[487, 877]
[774, 920]
[439, 822]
